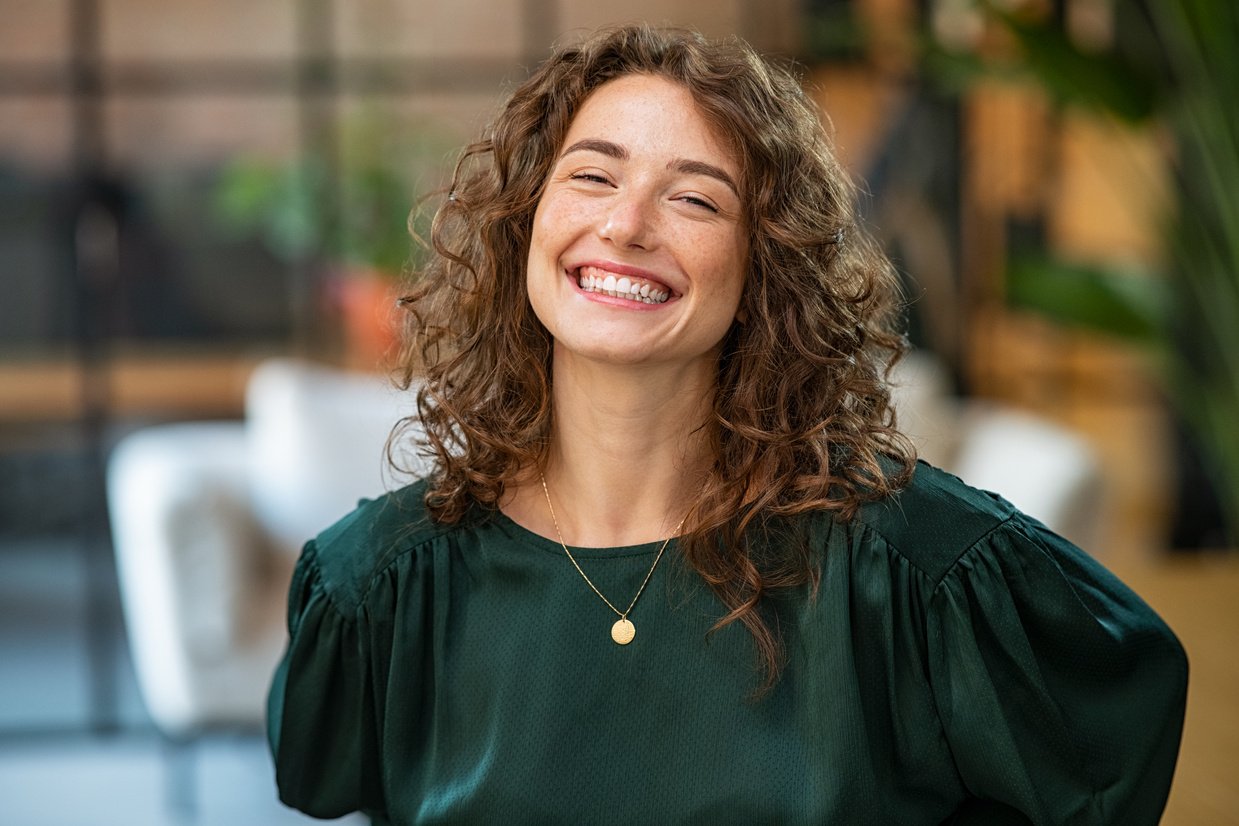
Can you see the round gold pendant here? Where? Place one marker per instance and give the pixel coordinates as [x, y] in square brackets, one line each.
[623, 632]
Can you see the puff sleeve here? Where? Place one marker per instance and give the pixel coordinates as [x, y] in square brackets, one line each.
[322, 718]
[1060, 692]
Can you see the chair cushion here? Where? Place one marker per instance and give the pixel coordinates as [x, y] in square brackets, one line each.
[317, 439]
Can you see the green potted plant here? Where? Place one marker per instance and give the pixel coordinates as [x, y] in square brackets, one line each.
[352, 213]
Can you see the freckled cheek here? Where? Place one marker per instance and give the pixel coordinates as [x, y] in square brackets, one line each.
[546, 243]
[558, 221]
[717, 258]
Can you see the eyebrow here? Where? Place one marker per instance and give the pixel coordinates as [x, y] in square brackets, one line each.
[614, 150]
[611, 150]
[707, 169]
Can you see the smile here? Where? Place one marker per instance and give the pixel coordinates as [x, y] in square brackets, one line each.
[595, 280]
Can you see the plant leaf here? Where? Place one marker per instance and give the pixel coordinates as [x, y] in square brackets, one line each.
[1131, 306]
[1098, 80]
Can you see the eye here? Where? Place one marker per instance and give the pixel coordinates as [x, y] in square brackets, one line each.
[591, 177]
[700, 202]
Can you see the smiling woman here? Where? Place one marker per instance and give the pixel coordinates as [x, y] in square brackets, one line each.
[649, 350]
[642, 199]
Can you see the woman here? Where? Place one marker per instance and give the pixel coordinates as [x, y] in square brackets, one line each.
[675, 564]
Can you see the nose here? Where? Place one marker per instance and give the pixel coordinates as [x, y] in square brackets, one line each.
[628, 221]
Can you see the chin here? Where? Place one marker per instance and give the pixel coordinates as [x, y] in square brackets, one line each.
[625, 356]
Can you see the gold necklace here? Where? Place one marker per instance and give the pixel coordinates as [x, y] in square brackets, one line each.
[622, 631]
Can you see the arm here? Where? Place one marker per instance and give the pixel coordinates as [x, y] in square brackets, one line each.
[1061, 693]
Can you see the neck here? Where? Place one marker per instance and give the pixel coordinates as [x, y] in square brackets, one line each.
[627, 449]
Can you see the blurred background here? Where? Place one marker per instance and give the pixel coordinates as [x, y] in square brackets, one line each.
[205, 209]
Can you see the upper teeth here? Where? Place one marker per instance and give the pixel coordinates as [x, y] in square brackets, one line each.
[594, 280]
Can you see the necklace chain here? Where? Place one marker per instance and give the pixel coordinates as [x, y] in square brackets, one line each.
[623, 615]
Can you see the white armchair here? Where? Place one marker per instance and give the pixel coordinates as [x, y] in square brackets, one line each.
[1045, 470]
[208, 517]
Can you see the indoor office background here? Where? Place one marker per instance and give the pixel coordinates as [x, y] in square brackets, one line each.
[203, 220]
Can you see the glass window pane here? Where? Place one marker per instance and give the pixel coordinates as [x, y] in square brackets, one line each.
[462, 28]
[713, 18]
[34, 30]
[159, 30]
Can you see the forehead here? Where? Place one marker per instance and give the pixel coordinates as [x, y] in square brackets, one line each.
[649, 114]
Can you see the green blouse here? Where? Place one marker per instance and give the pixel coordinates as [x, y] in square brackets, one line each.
[960, 663]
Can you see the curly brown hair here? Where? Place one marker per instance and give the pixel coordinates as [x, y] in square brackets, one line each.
[801, 417]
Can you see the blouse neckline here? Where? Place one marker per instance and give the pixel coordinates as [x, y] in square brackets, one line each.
[536, 540]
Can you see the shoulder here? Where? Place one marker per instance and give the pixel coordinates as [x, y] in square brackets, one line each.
[935, 519]
[354, 550]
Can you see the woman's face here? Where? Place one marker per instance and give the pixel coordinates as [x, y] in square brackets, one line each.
[638, 252]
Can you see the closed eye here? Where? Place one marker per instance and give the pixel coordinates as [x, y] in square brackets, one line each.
[701, 202]
[592, 177]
